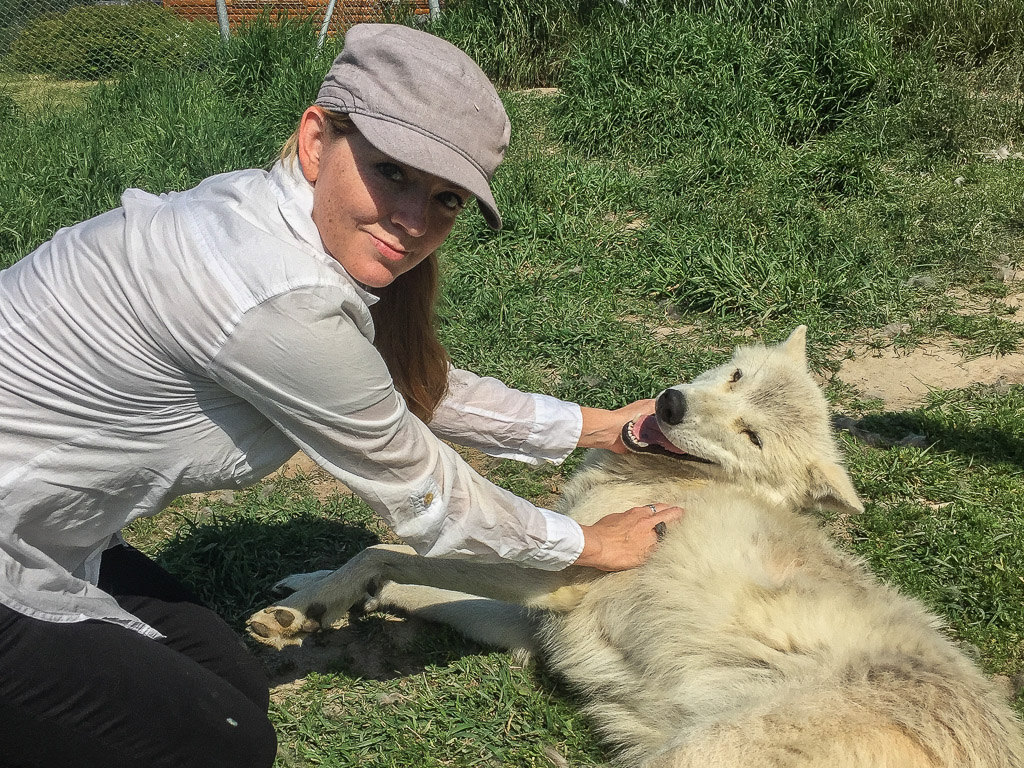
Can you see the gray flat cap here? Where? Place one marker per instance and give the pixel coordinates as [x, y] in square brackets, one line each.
[424, 102]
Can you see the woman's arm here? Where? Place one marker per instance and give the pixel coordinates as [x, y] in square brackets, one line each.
[603, 429]
[504, 422]
[484, 413]
[303, 364]
[300, 360]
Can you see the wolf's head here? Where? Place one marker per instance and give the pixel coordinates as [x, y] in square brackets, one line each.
[760, 420]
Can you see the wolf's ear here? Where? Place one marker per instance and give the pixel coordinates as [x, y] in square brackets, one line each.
[832, 488]
[795, 346]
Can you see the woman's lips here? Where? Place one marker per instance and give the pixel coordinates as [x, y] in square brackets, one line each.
[389, 252]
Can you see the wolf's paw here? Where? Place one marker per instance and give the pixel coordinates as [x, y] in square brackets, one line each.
[298, 581]
[280, 626]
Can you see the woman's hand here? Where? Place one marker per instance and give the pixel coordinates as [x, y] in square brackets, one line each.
[603, 429]
[625, 539]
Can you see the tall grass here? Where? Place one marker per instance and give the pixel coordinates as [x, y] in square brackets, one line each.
[965, 32]
[521, 44]
[156, 129]
[768, 162]
[653, 82]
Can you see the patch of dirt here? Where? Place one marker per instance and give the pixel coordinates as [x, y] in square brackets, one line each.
[902, 380]
[323, 484]
[1017, 303]
[345, 648]
[541, 91]
[629, 221]
[661, 331]
[674, 332]
[969, 304]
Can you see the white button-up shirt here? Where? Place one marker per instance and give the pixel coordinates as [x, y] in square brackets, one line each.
[192, 341]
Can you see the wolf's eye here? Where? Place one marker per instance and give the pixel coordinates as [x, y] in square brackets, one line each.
[754, 437]
[736, 376]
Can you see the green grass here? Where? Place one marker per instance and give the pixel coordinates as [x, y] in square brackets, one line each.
[474, 711]
[91, 42]
[30, 94]
[704, 168]
[945, 523]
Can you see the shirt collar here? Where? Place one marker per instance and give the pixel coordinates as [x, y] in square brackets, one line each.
[295, 201]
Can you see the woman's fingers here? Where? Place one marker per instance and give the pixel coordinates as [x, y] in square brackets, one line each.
[625, 540]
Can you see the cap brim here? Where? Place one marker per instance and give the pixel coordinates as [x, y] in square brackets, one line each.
[423, 153]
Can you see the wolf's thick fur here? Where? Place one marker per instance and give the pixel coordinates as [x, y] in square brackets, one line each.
[747, 639]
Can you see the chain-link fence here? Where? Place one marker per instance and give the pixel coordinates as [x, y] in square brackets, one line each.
[95, 39]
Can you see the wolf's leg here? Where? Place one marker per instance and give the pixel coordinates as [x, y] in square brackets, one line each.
[491, 622]
[298, 581]
[326, 601]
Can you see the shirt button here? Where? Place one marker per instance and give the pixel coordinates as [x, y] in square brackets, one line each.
[428, 499]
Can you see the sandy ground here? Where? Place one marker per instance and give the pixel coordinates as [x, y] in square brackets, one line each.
[902, 380]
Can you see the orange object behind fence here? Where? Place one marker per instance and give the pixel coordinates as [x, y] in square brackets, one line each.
[346, 12]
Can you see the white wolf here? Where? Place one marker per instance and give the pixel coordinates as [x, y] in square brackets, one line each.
[748, 639]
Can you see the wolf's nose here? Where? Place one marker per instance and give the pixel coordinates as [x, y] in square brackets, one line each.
[671, 406]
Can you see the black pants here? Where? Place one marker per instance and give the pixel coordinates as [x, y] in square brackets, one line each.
[97, 695]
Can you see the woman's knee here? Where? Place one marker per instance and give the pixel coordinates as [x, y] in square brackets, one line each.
[233, 737]
[254, 747]
[143, 702]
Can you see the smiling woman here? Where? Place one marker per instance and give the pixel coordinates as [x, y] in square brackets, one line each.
[193, 341]
[378, 218]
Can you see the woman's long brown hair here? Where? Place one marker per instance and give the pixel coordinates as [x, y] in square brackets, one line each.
[406, 337]
[405, 322]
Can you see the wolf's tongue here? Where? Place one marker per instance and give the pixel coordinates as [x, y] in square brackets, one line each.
[649, 432]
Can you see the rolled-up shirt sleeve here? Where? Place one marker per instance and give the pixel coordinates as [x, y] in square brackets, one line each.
[301, 360]
[484, 413]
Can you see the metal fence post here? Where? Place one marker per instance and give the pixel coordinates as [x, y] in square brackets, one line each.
[327, 23]
[222, 20]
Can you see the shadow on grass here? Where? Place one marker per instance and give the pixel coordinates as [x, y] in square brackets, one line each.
[980, 422]
[233, 561]
[232, 564]
[981, 442]
[375, 647]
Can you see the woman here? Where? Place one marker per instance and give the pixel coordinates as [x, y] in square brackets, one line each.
[191, 341]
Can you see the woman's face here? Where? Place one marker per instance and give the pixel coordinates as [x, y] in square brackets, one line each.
[377, 217]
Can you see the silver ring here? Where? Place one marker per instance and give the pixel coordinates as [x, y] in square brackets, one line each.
[654, 509]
